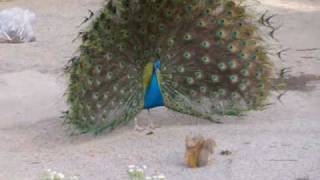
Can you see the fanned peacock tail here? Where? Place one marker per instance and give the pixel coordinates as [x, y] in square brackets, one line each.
[213, 61]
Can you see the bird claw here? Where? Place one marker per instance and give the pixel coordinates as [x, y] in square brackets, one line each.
[139, 128]
[154, 126]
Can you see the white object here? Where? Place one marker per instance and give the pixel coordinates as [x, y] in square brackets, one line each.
[16, 25]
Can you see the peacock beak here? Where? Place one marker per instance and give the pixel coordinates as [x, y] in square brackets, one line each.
[157, 65]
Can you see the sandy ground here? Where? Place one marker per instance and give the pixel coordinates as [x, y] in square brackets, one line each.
[279, 143]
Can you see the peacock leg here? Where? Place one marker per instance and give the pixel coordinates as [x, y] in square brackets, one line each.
[151, 124]
[137, 127]
[222, 108]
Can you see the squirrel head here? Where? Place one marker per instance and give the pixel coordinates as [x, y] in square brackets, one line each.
[192, 142]
[209, 144]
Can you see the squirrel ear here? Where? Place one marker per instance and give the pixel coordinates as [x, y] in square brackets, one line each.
[188, 138]
[210, 144]
[189, 141]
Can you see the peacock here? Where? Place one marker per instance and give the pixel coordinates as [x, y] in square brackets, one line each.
[197, 57]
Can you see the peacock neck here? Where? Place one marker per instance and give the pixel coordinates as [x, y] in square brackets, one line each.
[153, 96]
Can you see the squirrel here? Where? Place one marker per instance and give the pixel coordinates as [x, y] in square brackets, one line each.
[198, 151]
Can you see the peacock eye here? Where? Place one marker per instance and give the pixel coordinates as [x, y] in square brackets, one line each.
[121, 47]
[219, 43]
[233, 78]
[158, 50]
[222, 92]
[254, 56]
[187, 55]
[162, 27]
[242, 87]
[152, 19]
[115, 88]
[215, 78]
[205, 44]
[170, 76]
[189, 8]
[243, 42]
[98, 83]
[105, 96]
[170, 42]
[164, 68]
[205, 59]
[126, 18]
[193, 93]
[169, 13]
[152, 37]
[89, 82]
[222, 66]
[219, 34]
[139, 17]
[244, 72]
[261, 85]
[142, 30]
[190, 80]
[247, 64]
[235, 95]
[108, 56]
[234, 35]
[187, 37]
[95, 96]
[201, 23]
[109, 75]
[99, 68]
[232, 64]
[203, 89]
[198, 75]
[221, 22]
[258, 75]
[146, 53]
[125, 34]
[207, 12]
[230, 47]
[241, 55]
[181, 69]
[178, 18]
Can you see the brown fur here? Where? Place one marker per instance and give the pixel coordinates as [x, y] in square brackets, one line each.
[198, 151]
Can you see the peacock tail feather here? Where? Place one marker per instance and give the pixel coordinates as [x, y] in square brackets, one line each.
[212, 54]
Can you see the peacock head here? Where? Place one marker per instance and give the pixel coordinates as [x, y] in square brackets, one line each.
[156, 64]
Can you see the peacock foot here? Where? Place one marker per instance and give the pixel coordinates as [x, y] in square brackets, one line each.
[137, 127]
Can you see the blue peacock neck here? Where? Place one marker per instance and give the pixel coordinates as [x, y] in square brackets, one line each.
[153, 96]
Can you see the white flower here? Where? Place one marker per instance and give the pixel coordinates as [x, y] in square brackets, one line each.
[46, 173]
[144, 167]
[148, 178]
[139, 170]
[59, 176]
[140, 173]
[161, 177]
[73, 178]
[131, 172]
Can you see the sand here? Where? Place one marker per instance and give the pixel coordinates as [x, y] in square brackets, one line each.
[280, 142]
